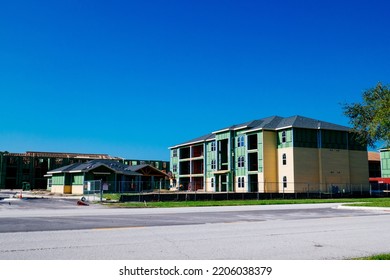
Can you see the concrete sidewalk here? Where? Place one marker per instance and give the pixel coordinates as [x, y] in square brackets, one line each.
[20, 194]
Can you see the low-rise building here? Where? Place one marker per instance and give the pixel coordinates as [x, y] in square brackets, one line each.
[103, 174]
[385, 162]
[27, 170]
[273, 155]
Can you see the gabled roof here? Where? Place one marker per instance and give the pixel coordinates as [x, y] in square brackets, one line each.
[115, 166]
[271, 123]
[147, 170]
[201, 139]
[374, 156]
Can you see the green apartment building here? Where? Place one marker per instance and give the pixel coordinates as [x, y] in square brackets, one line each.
[385, 162]
[272, 155]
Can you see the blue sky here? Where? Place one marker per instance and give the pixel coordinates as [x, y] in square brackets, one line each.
[132, 78]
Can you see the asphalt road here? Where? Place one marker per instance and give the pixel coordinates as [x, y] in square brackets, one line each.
[59, 229]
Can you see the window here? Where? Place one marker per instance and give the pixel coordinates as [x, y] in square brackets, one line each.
[283, 136]
[241, 141]
[213, 146]
[174, 153]
[284, 159]
[212, 182]
[284, 182]
[213, 164]
[241, 182]
[241, 162]
[174, 168]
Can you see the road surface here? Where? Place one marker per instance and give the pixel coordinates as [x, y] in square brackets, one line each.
[50, 229]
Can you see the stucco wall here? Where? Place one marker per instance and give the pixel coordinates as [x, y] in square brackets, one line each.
[270, 161]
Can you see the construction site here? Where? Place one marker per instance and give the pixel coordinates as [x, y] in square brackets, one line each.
[27, 170]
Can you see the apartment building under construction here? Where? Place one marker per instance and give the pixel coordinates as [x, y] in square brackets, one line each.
[272, 155]
[27, 170]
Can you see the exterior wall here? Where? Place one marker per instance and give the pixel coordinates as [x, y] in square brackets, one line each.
[286, 170]
[270, 169]
[306, 169]
[77, 179]
[211, 156]
[240, 172]
[61, 189]
[359, 168]
[78, 189]
[334, 167]
[385, 163]
[260, 153]
[58, 179]
[174, 162]
[241, 152]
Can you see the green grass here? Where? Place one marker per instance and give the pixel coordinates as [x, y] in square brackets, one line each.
[373, 202]
[376, 257]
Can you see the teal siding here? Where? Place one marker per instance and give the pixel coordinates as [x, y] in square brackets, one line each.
[222, 135]
[78, 179]
[260, 150]
[58, 179]
[210, 156]
[289, 138]
[385, 164]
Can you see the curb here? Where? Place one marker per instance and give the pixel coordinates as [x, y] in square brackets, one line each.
[365, 208]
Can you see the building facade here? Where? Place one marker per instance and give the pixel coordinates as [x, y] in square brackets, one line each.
[19, 170]
[374, 165]
[385, 162]
[272, 155]
[103, 174]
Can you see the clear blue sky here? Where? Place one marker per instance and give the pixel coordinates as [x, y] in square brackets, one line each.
[132, 78]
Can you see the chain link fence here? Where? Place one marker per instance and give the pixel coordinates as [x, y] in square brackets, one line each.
[162, 190]
[270, 190]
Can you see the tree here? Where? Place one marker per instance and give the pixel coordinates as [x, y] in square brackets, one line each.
[371, 118]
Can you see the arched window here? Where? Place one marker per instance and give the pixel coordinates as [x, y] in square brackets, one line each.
[284, 159]
[212, 183]
[284, 182]
[241, 162]
[241, 141]
[241, 182]
[283, 136]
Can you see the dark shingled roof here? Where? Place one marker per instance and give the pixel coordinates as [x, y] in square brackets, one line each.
[92, 164]
[303, 122]
[203, 138]
[273, 123]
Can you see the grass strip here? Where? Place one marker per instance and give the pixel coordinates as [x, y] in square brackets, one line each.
[371, 202]
[375, 257]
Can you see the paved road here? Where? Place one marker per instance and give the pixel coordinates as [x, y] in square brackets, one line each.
[58, 229]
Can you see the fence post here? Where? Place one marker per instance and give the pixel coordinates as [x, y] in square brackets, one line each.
[308, 190]
[101, 191]
[159, 190]
[320, 189]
